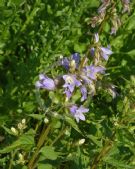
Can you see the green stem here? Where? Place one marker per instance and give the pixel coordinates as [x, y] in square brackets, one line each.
[104, 151]
[40, 143]
[12, 159]
[57, 138]
[114, 67]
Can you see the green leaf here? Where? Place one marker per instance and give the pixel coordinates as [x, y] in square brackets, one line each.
[10, 148]
[80, 47]
[73, 124]
[24, 167]
[26, 141]
[54, 97]
[28, 106]
[17, 2]
[49, 153]
[131, 23]
[131, 53]
[95, 140]
[37, 116]
[7, 130]
[44, 166]
[120, 164]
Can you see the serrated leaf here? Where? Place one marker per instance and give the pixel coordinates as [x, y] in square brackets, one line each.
[7, 130]
[10, 148]
[26, 141]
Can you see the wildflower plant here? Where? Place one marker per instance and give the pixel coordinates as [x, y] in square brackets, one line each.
[70, 88]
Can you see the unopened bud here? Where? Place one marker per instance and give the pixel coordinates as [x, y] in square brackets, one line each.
[46, 120]
[14, 131]
[20, 156]
[21, 159]
[72, 65]
[67, 99]
[81, 141]
[23, 121]
[61, 56]
[20, 126]
[67, 133]
[55, 114]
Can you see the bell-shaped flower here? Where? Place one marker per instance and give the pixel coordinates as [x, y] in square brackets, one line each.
[84, 93]
[96, 37]
[105, 52]
[71, 63]
[92, 51]
[91, 71]
[70, 83]
[45, 82]
[65, 63]
[76, 58]
[78, 112]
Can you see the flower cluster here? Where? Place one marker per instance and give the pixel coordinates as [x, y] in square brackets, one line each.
[108, 8]
[101, 13]
[80, 76]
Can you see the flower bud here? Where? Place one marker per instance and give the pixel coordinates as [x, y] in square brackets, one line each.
[21, 159]
[14, 131]
[23, 121]
[72, 66]
[20, 126]
[81, 141]
[46, 120]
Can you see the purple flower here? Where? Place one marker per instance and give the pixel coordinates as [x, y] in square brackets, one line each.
[92, 70]
[65, 63]
[85, 79]
[70, 83]
[77, 112]
[45, 82]
[72, 62]
[92, 51]
[84, 93]
[76, 58]
[105, 52]
[68, 93]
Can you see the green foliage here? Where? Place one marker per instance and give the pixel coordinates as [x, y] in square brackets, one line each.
[33, 35]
